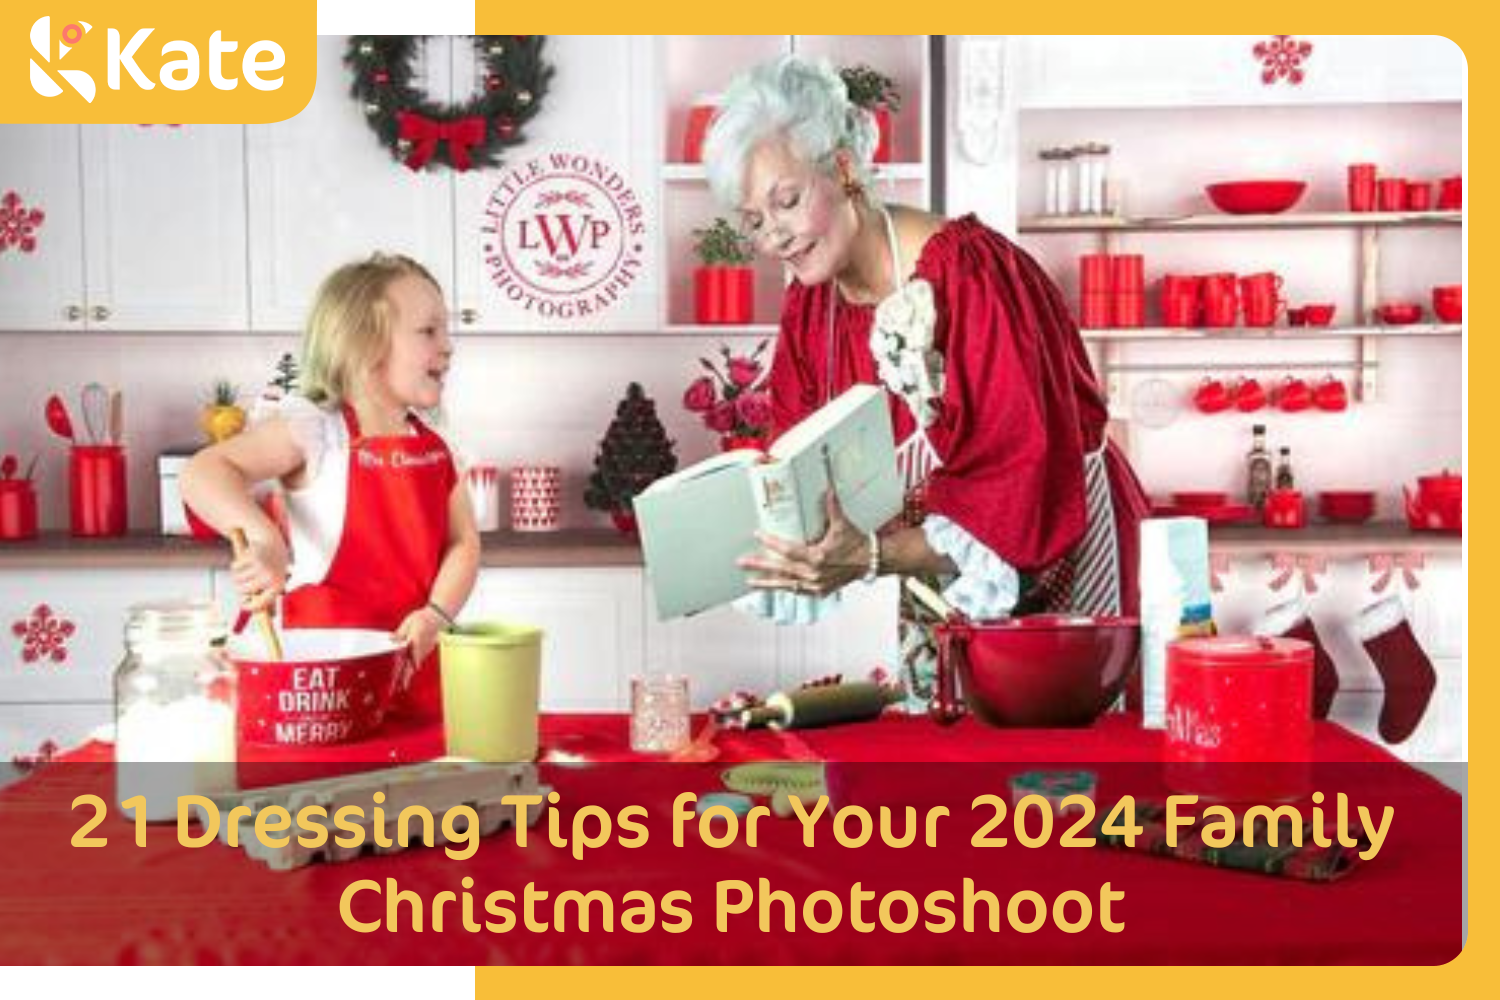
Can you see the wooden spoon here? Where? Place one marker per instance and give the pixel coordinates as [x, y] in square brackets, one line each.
[262, 617]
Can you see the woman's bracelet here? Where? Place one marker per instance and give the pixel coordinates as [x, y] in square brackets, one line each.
[445, 616]
[872, 568]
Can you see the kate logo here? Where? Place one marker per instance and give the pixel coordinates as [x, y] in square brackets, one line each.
[564, 235]
[41, 41]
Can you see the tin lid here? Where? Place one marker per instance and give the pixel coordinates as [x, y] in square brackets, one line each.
[1240, 651]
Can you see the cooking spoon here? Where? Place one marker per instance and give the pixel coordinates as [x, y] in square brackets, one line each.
[263, 616]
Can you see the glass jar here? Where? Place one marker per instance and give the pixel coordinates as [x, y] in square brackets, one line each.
[1099, 184]
[175, 707]
[1064, 182]
[1052, 167]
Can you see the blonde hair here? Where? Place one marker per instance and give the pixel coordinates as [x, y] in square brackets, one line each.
[804, 99]
[349, 328]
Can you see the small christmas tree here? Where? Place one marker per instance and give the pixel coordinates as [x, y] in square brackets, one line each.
[286, 374]
[634, 454]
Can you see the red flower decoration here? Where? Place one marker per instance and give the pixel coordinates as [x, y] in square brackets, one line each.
[729, 399]
[43, 636]
[722, 417]
[700, 396]
[753, 409]
[1281, 58]
[18, 224]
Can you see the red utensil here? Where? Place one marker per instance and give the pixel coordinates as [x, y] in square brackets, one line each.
[8, 466]
[58, 420]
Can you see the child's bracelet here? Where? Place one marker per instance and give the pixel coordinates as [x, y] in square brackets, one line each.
[447, 618]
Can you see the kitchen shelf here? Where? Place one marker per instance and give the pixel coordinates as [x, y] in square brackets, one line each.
[1330, 540]
[1285, 333]
[723, 329]
[576, 547]
[1284, 220]
[694, 173]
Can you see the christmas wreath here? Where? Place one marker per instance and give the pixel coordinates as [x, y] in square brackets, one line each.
[420, 131]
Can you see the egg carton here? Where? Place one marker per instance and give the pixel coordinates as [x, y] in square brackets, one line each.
[436, 785]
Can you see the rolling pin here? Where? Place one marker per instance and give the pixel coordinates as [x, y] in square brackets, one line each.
[825, 705]
[262, 617]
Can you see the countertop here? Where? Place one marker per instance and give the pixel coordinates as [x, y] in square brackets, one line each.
[605, 547]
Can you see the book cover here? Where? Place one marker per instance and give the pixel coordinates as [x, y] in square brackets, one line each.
[698, 522]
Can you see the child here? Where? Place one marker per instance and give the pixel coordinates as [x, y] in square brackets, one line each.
[382, 534]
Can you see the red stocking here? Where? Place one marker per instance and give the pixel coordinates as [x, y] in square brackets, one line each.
[1404, 667]
[1291, 620]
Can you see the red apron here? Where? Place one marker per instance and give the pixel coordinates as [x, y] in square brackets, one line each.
[395, 532]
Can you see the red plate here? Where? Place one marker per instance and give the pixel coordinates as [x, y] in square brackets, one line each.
[1226, 513]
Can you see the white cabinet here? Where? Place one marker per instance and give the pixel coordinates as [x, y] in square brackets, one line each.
[1142, 71]
[322, 191]
[591, 624]
[143, 228]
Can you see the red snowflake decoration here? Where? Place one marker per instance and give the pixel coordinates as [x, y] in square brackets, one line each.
[18, 223]
[43, 636]
[45, 754]
[1281, 58]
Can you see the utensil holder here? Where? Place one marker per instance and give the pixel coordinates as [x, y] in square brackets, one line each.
[17, 510]
[97, 505]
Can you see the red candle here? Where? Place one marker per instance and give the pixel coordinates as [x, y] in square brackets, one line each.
[1239, 718]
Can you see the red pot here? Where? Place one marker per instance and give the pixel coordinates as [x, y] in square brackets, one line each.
[1448, 303]
[724, 295]
[1239, 718]
[1438, 504]
[333, 686]
[1041, 670]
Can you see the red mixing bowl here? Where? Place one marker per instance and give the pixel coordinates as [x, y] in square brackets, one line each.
[333, 686]
[1255, 197]
[1346, 506]
[1041, 670]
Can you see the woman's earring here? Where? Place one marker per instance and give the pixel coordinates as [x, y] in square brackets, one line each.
[853, 188]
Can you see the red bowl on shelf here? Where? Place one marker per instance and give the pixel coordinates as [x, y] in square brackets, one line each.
[1255, 197]
[1040, 670]
[1448, 303]
[1399, 313]
[1346, 506]
[1319, 314]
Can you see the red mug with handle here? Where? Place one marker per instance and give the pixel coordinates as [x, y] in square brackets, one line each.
[1331, 395]
[1293, 395]
[1362, 187]
[1249, 395]
[1211, 396]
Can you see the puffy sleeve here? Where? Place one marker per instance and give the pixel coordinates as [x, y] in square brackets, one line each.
[314, 430]
[1019, 407]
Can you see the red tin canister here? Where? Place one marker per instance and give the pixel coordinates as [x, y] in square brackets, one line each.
[1239, 718]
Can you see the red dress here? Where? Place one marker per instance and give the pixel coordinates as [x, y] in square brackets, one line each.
[1020, 407]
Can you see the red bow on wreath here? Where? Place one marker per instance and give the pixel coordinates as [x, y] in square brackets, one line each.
[424, 134]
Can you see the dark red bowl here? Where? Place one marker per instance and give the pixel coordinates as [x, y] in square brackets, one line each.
[1399, 313]
[1319, 314]
[1346, 506]
[1042, 670]
[1255, 197]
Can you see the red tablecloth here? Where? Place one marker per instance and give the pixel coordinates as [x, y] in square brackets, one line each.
[164, 903]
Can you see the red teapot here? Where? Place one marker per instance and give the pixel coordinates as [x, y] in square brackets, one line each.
[1438, 504]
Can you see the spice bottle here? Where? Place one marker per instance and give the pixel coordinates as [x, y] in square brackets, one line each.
[1284, 478]
[1258, 473]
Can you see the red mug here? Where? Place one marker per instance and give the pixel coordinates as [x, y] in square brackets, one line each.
[1450, 194]
[1267, 283]
[1180, 309]
[1418, 196]
[96, 490]
[1220, 310]
[1362, 187]
[1331, 395]
[1293, 395]
[17, 510]
[1391, 194]
[1211, 396]
[1262, 310]
[1284, 509]
[1095, 273]
[1249, 395]
[1129, 272]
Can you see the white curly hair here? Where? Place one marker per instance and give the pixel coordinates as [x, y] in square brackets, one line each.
[801, 98]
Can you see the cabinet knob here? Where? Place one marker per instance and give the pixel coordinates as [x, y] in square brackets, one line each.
[101, 312]
[468, 316]
[73, 313]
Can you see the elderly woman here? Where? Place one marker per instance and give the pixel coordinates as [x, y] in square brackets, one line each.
[1016, 501]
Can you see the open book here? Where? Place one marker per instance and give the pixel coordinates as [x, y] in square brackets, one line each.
[697, 523]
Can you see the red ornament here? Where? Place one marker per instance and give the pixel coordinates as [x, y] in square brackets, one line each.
[380, 78]
[1281, 58]
[505, 128]
[18, 224]
[494, 83]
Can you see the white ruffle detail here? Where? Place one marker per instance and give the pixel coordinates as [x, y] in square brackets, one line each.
[902, 341]
[787, 609]
[987, 586]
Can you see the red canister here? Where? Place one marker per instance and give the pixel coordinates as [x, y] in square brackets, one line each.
[17, 510]
[1239, 718]
[96, 490]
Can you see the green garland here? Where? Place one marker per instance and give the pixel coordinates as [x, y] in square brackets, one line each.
[420, 132]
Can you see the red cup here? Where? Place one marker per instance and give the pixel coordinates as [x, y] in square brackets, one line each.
[1179, 309]
[1249, 395]
[1220, 310]
[1130, 309]
[1284, 509]
[1211, 396]
[698, 120]
[1262, 310]
[17, 510]
[1418, 196]
[1331, 395]
[96, 490]
[1296, 317]
[1095, 273]
[1293, 395]
[1267, 284]
[1220, 284]
[1391, 194]
[723, 295]
[1319, 314]
[1448, 303]
[1362, 187]
[1450, 194]
[1129, 272]
[1096, 311]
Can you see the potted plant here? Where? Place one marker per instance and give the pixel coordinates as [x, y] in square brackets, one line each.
[724, 281]
[876, 93]
[731, 400]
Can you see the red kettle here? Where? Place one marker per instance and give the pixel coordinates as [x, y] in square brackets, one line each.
[1438, 504]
